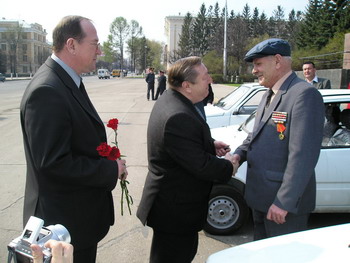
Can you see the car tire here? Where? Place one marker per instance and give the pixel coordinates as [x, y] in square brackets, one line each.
[227, 210]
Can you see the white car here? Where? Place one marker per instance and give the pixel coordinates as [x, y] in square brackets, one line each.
[235, 107]
[326, 244]
[103, 74]
[227, 207]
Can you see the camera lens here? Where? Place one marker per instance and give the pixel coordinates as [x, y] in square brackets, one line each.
[59, 233]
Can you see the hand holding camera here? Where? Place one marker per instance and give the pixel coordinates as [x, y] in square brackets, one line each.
[62, 252]
[34, 233]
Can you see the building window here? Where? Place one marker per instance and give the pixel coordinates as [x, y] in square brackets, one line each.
[24, 47]
[25, 69]
[3, 47]
[25, 58]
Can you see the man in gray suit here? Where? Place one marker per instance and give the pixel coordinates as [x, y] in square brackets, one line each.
[309, 71]
[284, 146]
[182, 165]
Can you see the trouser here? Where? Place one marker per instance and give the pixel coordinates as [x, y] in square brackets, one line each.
[86, 255]
[150, 88]
[264, 228]
[173, 248]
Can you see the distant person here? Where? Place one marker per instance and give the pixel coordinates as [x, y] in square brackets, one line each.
[161, 84]
[283, 148]
[67, 182]
[150, 83]
[182, 165]
[309, 71]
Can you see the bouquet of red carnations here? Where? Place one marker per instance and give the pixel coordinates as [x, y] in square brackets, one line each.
[113, 153]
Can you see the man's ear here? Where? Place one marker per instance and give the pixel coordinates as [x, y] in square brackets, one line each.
[278, 58]
[186, 87]
[71, 45]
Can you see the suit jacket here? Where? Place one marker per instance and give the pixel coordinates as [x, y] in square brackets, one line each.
[67, 182]
[322, 83]
[182, 167]
[281, 172]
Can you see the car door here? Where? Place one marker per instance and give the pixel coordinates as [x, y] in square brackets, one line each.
[333, 176]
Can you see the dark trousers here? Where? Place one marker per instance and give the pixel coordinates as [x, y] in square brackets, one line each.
[87, 255]
[160, 91]
[173, 248]
[150, 88]
[264, 228]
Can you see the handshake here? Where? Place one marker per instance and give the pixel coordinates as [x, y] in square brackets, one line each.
[222, 149]
[234, 159]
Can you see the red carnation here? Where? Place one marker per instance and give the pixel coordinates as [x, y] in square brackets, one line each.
[113, 123]
[104, 149]
[114, 154]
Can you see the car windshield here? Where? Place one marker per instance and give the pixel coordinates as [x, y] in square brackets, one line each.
[229, 100]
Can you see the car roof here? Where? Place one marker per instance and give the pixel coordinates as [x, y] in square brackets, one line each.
[334, 95]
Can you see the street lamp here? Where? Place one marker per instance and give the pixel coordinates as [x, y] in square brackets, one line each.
[145, 58]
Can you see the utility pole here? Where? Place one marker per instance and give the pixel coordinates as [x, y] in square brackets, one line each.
[225, 40]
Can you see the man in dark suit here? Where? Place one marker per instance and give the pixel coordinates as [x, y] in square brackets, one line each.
[284, 146]
[161, 84]
[309, 71]
[182, 165]
[67, 181]
[150, 83]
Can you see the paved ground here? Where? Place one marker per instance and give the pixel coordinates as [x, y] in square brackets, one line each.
[125, 99]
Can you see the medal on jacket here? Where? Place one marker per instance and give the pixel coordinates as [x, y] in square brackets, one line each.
[280, 118]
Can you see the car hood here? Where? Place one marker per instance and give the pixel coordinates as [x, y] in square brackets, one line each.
[213, 111]
[231, 135]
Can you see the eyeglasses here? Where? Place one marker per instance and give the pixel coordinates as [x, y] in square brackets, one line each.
[98, 45]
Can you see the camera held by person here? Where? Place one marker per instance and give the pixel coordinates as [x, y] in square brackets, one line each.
[35, 233]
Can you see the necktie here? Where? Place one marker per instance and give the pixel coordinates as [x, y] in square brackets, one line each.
[268, 98]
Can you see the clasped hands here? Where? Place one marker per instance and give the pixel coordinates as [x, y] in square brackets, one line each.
[223, 149]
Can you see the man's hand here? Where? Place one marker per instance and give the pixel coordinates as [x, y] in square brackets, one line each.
[122, 172]
[277, 214]
[234, 160]
[62, 252]
[221, 148]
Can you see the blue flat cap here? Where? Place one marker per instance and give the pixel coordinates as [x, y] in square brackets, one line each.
[268, 47]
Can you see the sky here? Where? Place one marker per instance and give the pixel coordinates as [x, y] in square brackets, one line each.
[149, 14]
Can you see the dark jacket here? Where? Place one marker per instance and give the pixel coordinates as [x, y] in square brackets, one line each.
[67, 182]
[182, 167]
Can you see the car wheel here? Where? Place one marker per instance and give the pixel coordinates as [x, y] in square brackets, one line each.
[227, 211]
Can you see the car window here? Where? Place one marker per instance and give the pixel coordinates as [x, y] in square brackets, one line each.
[229, 100]
[248, 125]
[255, 99]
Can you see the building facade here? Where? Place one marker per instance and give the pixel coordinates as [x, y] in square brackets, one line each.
[173, 30]
[23, 47]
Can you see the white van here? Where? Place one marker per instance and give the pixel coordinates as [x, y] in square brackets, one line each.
[103, 74]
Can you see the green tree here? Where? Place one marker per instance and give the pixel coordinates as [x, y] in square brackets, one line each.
[185, 42]
[256, 23]
[201, 32]
[278, 15]
[135, 32]
[119, 30]
[293, 27]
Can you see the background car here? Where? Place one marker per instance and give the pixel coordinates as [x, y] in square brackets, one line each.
[103, 74]
[236, 107]
[326, 244]
[2, 77]
[227, 207]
